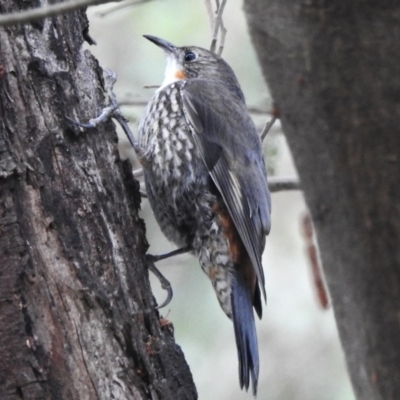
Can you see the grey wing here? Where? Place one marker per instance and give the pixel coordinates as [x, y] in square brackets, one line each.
[231, 149]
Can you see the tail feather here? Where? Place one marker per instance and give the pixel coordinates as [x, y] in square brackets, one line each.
[257, 300]
[245, 334]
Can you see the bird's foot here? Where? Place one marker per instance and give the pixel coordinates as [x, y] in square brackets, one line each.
[113, 111]
[165, 284]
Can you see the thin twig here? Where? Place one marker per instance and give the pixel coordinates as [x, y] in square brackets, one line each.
[47, 11]
[275, 183]
[140, 103]
[267, 128]
[137, 173]
[316, 268]
[217, 25]
[257, 110]
[279, 184]
[134, 103]
[222, 40]
[125, 4]
[210, 13]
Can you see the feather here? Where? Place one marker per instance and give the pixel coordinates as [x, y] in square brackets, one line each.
[230, 147]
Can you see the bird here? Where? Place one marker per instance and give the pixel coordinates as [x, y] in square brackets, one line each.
[206, 182]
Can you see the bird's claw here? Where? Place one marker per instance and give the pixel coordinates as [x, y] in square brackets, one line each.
[163, 280]
[80, 124]
[105, 114]
[151, 259]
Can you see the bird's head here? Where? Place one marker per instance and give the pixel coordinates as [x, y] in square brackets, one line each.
[189, 62]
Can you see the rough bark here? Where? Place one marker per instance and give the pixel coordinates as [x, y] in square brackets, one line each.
[77, 317]
[334, 72]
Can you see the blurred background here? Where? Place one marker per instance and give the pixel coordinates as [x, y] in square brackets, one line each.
[301, 357]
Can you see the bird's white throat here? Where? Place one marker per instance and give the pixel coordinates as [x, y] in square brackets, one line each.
[173, 72]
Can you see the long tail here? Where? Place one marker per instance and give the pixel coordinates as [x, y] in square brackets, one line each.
[245, 331]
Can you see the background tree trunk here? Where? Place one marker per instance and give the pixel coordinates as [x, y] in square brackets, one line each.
[77, 317]
[334, 72]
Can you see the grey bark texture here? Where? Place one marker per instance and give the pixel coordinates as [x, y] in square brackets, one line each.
[334, 72]
[77, 316]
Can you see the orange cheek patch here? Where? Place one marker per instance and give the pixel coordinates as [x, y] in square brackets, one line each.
[180, 74]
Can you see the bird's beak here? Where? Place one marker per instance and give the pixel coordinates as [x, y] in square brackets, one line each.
[166, 46]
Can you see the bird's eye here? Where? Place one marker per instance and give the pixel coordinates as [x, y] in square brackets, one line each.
[190, 56]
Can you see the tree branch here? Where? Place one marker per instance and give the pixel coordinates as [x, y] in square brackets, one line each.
[313, 259]
[48, 11]
[141, 102]
[121, 6]
[210, 12]
[257, 110]
[267, 128]
[275, 183]
[218, 23]
[279, 184]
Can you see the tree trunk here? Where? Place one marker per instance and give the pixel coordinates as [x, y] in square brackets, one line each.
[333, 69]
[77, 316]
